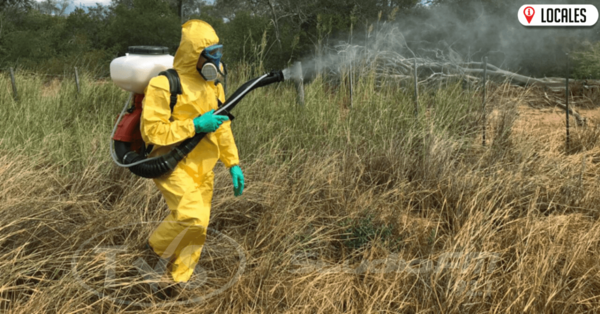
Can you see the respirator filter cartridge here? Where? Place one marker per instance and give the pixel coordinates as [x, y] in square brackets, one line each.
[209, 72]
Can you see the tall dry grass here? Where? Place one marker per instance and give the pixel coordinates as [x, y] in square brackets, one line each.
[334, 197]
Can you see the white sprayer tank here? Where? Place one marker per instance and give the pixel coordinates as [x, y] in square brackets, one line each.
[134, 71]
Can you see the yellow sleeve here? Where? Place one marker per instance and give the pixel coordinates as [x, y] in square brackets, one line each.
[156, 127]
[228, 150]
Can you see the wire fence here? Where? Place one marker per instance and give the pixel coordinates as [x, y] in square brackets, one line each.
[74, 75]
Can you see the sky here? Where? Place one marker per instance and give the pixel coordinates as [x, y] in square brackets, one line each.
[82, 3]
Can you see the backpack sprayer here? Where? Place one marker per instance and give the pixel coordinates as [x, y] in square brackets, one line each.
[133, 73]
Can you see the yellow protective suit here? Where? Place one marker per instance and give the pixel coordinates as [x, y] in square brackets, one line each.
[188, 189]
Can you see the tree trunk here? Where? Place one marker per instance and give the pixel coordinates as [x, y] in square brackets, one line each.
[275, 24]
[180, 6]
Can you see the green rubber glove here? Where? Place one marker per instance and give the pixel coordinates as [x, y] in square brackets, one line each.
[208, 122]
[238, 180]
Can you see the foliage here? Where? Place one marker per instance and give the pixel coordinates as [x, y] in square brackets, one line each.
[363, 231]
[52, 43]
[53, 7]
[273, 32]
[15, 4]
[145, 22]
[241, 36]
[38, 35]
[587, 62]
[33, 38]
[308, 168]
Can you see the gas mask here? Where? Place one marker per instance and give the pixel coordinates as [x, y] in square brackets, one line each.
[211, 69]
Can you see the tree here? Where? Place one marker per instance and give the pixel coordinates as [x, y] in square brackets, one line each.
[16, 4]
[194, 7]
[143, 22]
[53, 7]
[301, 25]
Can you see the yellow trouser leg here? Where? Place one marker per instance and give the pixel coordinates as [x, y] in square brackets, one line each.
[181, 235]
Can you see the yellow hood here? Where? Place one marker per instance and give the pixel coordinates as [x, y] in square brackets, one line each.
[195, 36]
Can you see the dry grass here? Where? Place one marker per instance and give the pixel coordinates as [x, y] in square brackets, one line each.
[328, 190]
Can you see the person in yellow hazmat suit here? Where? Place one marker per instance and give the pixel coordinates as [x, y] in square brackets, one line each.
[188, 189]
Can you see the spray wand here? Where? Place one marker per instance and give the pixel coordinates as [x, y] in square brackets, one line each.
[157, 166]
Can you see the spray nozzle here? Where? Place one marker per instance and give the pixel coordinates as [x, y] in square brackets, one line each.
[294, 73]
[278, 75]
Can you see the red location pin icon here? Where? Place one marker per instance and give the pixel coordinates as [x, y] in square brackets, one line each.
[529, 12]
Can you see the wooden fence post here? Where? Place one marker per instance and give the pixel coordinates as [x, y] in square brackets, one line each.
[567, 101]
[351, 69]
[77, 81]
[416, 90]
[351, 84]
[299, 82]
[14, 85]
[484, 96]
